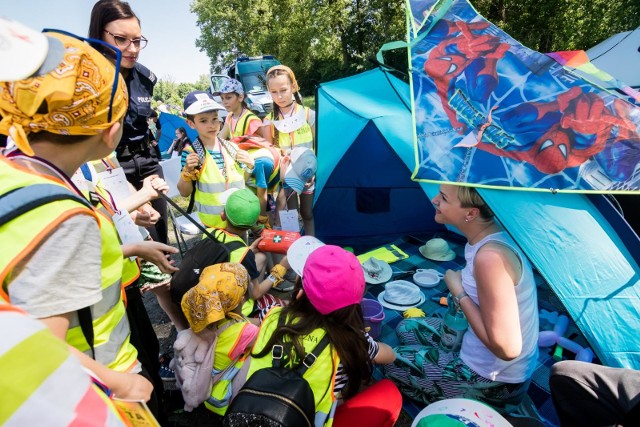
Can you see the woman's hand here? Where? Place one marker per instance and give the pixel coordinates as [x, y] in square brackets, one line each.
[145, 216]
[254, 245]
[453, 279]
[284, 164]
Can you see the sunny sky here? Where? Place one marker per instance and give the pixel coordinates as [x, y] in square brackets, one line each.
[168, 25]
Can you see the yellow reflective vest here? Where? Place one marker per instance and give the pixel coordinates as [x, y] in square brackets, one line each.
[26, 232]
[211, 184]
[301, 137]
[242, 125]
[321, 376]
[237, 255]
[221, 391]
[41, 383]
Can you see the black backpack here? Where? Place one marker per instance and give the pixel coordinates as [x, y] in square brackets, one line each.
[276, 396]
[203, 254]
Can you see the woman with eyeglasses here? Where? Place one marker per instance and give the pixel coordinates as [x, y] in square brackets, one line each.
[114, 22]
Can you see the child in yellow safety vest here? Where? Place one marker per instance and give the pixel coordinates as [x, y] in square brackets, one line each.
[64, 258]
[326, 301]
[209, 354]
[209, 166]
[264, 177]
[290, 125]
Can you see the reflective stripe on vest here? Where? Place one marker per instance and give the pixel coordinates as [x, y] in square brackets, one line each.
[22, 235]
[41, 383]
[320, 376]
[302, 137]
[211, 184]
[221, 392]
[111, 327]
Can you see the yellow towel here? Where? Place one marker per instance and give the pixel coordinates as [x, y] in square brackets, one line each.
[387, 253]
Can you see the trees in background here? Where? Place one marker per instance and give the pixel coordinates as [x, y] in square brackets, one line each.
[172, 93]
[326, 39]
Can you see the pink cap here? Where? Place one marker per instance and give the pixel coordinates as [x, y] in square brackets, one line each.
[332, 279]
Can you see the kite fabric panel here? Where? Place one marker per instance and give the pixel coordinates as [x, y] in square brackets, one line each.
[490, 112]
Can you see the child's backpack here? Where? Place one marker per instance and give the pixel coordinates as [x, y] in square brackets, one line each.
[276, 396]
[206, 252]
[248, 142]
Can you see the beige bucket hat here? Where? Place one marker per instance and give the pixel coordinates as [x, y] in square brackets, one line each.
[438, 250]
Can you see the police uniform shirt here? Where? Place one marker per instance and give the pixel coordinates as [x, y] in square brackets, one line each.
[140, 83]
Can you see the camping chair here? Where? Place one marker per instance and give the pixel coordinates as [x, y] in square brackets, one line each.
[181, 225]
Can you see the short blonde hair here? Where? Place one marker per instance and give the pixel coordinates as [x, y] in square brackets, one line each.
[470, 198]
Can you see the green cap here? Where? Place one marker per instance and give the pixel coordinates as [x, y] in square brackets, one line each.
[242, 208]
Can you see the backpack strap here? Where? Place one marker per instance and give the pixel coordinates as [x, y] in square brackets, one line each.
[199, 149]
[309, 359]
[25, 199]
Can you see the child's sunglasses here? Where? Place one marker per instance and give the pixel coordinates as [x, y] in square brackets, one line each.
[109, 51]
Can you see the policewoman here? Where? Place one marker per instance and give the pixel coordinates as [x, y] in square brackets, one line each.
[114, 22]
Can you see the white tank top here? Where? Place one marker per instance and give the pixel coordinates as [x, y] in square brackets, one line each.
[473, 352]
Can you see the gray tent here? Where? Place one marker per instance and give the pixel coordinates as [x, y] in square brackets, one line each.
[619, 55]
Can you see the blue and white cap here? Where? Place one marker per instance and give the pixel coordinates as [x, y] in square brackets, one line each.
[200, 102]
[302, 168]
[230, 86]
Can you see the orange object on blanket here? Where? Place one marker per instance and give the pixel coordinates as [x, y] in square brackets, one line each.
[277, 241]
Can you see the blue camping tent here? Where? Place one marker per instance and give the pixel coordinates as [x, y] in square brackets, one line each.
[364, 192]
[171, 122]
[580, 244]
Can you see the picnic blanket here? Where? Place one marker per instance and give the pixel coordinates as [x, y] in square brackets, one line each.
[404, 269]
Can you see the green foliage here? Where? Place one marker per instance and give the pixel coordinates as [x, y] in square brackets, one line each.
[174, 93]
[556, 25]
[322, 40]
[319, 40]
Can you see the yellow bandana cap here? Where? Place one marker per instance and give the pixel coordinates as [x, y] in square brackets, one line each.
[219, 291]
[289, 71]
[73, 99]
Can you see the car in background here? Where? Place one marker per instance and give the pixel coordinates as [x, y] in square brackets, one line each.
[251, 72]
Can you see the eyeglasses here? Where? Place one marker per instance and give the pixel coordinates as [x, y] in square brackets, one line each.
[122, 42]
[109, 51]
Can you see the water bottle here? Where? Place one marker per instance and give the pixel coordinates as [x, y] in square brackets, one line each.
[454, 325]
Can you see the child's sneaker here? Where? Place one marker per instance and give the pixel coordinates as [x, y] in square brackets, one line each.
[166, 373]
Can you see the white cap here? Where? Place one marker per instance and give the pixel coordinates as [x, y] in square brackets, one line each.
[25, 52]
[300, 250]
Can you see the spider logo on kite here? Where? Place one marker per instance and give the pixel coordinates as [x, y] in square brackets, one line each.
[463, 51]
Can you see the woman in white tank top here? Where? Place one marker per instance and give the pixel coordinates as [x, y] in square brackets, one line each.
[497, 293]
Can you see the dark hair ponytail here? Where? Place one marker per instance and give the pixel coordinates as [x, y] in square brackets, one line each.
[344, 327]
